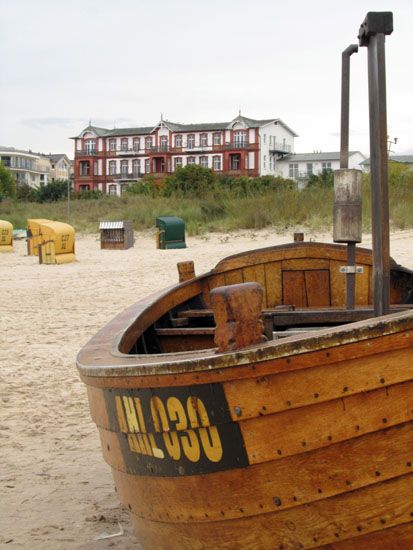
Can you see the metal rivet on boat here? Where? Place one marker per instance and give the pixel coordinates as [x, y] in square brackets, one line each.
[357, 428]
[108, 447]
[382, 521]
[316, 395]
[345, 389]
[277, 501]
[319, 491]
[329, 437]
[408, 464]
[384, 420]
[303, 443]
[359, 528]
[382, 380]
[279, 451]
[288, 403]
[377, 473]
[348, 482]
[238, 411]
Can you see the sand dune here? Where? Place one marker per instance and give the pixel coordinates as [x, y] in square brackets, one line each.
[56, 490]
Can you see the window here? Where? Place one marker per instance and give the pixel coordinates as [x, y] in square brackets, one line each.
[136, 144]
[309, 169]
[123, 188]
[265, 138]
[178, 140]
[124, 144]
[148, 143]
[84, 168]
[112, 190]
[136, 167]
[203, 161]
[191, 160]
[265, 162]
[164, 143]
[178, 162]
[112, 145]
[217, 138]
[112, 167]
[90, 146]
[204, 140]
[190, 141]
[124, 167]
[216, 162]
[326, 166]
[240, 138]
[147, 166]
[95, 168]
[293, 170]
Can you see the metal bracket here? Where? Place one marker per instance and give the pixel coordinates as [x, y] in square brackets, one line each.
[351, 269]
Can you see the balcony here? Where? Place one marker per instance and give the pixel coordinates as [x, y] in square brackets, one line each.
[280, 148]
[88, 153]
[118, 151]
[126, 176]
[236, 145]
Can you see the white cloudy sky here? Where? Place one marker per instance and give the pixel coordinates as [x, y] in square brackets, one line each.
[123, 62]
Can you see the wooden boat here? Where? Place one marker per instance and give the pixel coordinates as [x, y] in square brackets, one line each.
[221, 438]
[297, 442]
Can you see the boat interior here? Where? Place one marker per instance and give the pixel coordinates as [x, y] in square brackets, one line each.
[303, 290]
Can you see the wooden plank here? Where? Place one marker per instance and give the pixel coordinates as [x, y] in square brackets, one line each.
[317, 284]
[296, 480]
[294, 292]
[273, 284]
[175, 344]
[185, 332]
[305, 264]
[234, 277]
[97, 406]
[264, 395]
[395, 538]
[316, 426]
[362, 287]
[326, 521]
[337, 284]
[213, 282]
[256, 274]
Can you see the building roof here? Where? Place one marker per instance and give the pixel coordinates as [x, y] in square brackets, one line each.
[56, 157]
[178, 127]
[395, 158]
[314, 157]
[18, 151]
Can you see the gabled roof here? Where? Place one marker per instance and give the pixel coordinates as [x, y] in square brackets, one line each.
[178, 127]
[18, 151]
[314, 157]
[395, 158]
[56, 157]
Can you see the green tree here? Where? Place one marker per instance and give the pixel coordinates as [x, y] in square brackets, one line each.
[192, 180]
[52, 192]
[7, 183]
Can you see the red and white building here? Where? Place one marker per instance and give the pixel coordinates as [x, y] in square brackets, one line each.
[109, 160]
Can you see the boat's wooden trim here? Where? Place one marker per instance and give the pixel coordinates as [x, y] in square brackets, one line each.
[357, 340]
[292, 481]
[346, 516]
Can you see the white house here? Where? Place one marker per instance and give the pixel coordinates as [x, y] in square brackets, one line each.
[300, 166]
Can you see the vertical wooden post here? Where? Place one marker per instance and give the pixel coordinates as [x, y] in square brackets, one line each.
[238, 317]
[186, 271]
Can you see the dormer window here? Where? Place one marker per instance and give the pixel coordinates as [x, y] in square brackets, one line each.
[164, 143]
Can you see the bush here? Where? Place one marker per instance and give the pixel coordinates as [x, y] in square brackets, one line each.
[89, 194]
[7, 183]
[325, 179]
[52, 192]
[25, 193]
[145, 186]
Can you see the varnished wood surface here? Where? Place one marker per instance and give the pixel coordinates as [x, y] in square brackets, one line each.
[346, 516]
[393, 538]
[292, 481]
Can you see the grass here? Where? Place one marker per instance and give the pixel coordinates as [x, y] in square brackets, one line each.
[282, 209]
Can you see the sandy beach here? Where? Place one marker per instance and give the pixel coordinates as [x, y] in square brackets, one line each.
[56, 490]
